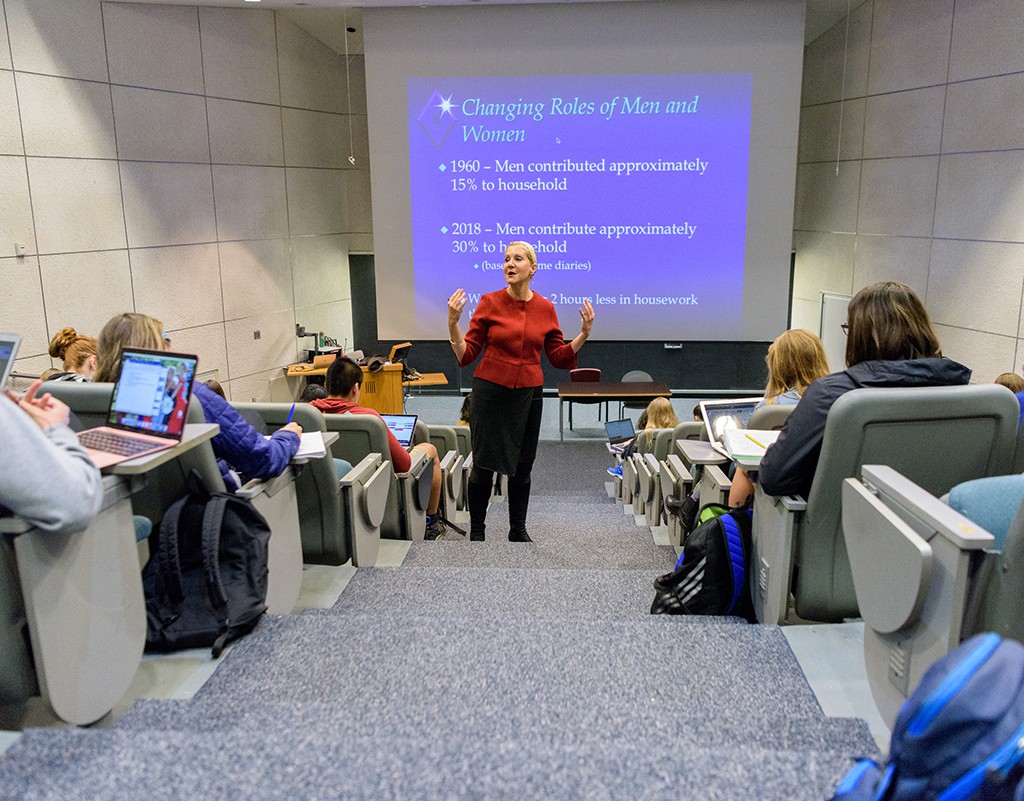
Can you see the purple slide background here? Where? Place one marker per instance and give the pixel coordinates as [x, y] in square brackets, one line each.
[702, 270]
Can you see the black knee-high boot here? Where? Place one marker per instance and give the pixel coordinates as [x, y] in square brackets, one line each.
[478, 495]
[518, 505]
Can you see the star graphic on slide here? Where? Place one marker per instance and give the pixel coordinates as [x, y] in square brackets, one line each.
[446, 105]
[437, 117]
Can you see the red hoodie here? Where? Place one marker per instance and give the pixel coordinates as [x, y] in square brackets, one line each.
[400, 458]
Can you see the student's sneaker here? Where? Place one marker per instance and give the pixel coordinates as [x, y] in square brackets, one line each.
[615, 471]
[435, 528]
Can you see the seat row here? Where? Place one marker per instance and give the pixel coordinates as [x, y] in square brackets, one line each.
[72, 615]
[871, 540]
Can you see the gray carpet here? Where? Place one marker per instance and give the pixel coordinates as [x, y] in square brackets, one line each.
[301, 765]
[489, 670]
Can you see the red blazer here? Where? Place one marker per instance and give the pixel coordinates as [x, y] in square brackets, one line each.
[511, 333]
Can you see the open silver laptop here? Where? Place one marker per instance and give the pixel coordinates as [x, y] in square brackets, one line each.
[403, 426]
[723, 415]
[8, 351]
[147, 407]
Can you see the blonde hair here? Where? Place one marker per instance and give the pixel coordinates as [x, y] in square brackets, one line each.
[660, 414]
[1011, 381]
[531, 254]
[72, 348]
[795, 360]
[128, 330]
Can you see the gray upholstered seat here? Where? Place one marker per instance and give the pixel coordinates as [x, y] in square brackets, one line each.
[72, 614]
[361, 435]
[926, 578]
[937, 436]
[445, 439]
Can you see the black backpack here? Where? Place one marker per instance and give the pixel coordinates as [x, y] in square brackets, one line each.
[206, 580]
[711, 576]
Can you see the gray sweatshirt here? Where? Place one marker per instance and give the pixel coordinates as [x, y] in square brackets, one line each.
[46, 477]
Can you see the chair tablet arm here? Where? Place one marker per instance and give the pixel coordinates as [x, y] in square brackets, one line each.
[697, 451]
[364, 496]
[451, 472]
[776, 522]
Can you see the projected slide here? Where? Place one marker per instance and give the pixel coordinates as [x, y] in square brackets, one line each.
[632, 189]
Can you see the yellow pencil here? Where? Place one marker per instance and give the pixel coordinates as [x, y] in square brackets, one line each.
[755, 441]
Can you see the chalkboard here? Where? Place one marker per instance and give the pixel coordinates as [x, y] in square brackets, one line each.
[833, 315]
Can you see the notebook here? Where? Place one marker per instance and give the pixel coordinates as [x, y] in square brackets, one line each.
[8, 350]
[403, 426]
[619, 433]
[147, 407]
[722, 415]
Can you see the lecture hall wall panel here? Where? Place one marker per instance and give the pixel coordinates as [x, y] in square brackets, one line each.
[913, 169]
[189, 163]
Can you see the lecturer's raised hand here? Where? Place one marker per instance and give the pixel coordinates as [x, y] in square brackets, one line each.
[586, 318]
[456, 303]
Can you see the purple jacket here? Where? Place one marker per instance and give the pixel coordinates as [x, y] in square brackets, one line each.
[241, 446]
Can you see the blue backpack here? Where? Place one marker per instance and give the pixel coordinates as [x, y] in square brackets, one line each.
[959, 736]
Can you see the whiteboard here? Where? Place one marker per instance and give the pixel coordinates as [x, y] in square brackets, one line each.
[833, 315]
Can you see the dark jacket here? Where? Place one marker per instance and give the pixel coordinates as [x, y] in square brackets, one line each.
[788, 465]
[240, 445]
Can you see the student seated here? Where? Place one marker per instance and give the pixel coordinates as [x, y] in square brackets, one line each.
[795, 360]
[890, 343]
[658, 414]
[312, 392]
[1015, 384]
[77, 352]
[52, 484]
[239, 447]
[344, 383]
[466, 410]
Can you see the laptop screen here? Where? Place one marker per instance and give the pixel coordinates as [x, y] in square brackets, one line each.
[619, 430]
[152, 392]
[719, 416]
[403, 426]
[8, 350]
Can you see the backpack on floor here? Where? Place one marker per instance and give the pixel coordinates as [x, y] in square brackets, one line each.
[960, 735]
[711, 575]
[206, 580]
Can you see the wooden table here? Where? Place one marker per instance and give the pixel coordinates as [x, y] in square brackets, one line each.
[597, 391]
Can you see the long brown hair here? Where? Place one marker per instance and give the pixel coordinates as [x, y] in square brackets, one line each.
[128, 330]
[795, 360]
[888, 321]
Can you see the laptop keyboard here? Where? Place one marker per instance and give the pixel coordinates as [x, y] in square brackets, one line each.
[113, 443]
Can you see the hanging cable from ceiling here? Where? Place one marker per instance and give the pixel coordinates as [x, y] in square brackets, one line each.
[348, 88]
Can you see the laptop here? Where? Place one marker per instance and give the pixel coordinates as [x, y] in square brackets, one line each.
[619, 433]
[147, 407]
[403, 426]
[723, 415]
[8, 350]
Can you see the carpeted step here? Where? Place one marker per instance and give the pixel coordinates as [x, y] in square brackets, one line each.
[492, 592]
[612, 554]
[57, 765]
[366, 718]
[633, 668]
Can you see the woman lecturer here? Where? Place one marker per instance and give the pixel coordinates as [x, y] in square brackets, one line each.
[511, 327]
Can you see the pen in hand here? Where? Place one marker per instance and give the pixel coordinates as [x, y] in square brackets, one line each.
[291, 414]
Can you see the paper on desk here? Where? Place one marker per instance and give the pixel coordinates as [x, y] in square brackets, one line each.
[311, 445]
[742, 443]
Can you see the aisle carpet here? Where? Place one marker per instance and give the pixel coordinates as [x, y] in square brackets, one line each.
[490, 670]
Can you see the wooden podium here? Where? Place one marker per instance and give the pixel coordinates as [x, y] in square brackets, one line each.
[382, 390]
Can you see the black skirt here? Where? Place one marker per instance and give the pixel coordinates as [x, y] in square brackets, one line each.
[505, 425]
